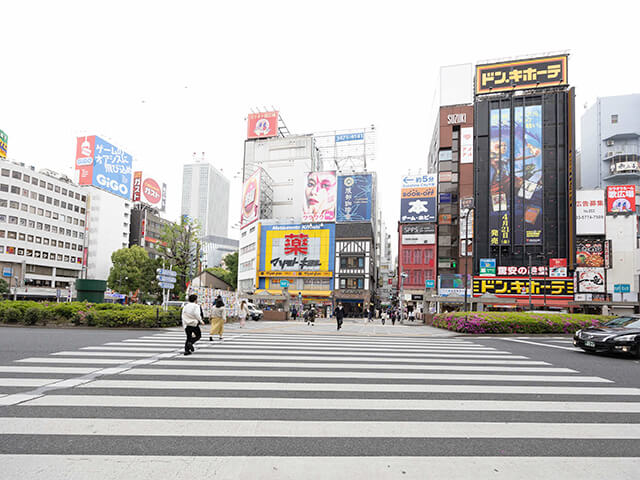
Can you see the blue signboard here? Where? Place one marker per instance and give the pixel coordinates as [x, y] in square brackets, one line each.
[112, 169]
[418, 199]
[488, 266]
[346, 137]
[354, 198]
[430, 283]
[622, 288]
[284, 283]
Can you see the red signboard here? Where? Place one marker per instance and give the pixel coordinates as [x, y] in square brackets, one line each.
[296, 244]
[262, 125]
[137, 186]
[85, 149]
[151, 191]
[621, 199]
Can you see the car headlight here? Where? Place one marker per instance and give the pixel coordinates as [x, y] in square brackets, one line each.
[626, 338]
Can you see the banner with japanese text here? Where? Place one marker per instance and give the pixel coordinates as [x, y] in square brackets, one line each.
[520, 287]
[354, 198]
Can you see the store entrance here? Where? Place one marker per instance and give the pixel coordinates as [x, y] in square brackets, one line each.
[352, 308]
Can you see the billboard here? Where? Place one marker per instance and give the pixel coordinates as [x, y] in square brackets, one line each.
[262, 125]
[306, 250]
[466, 145]
[355, 198]
[522, 74]
[590, 252]
[499, 175]
[520, 286]
[4, 138]
[104, 166]
[146, 189]
[557, 267]
[320, 197]
[590, 280]
[136, 189]
[250, 200]
[590, 212]
[418, 199]
[621, 199]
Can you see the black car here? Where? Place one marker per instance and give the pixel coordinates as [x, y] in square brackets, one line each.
[620, 335]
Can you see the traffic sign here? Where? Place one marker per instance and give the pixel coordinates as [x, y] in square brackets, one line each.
[430, 283]
[168, 273]
[166, 285]
[163, 278]
[7, 272]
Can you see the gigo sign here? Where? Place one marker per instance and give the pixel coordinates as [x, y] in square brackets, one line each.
[112, 185]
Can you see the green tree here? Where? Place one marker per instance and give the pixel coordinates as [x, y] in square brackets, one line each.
[229, 272]
[4, 286]
[129, 270]
[180, 248]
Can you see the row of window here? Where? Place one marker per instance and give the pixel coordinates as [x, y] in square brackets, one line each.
[41, 211]
[27, 252]
[249, 248]
[351, 283]
[418, 277]
[5, 172]
[25, 222]
[351, 262]
[40, 197]
[246, 266]
[417, 256]
[11, 235]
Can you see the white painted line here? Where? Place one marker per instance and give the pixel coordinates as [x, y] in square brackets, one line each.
[126, 401]
[360, 387]
[31, 369]
[26, 382]
[182, 372]
[103, 354]
[99, 467]
[443, 364]
[313, 429]
[94, 361]
[199, 355]
[427, 353]
[16, 398]
[129, 349]
[543, 344]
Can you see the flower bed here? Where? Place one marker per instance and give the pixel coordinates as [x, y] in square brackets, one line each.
[87, 314]
[515, 322]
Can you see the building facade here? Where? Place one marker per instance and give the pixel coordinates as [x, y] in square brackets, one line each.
[147, 228]
[205, 197]
[417, 261]
[610, 143]
[42, 230]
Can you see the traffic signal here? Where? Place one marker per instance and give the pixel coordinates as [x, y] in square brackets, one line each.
[454, 264]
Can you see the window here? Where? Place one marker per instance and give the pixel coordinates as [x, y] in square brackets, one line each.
[2, 233]
[25, 193]
[4, 187]
[40, 197]
[406, 257]
[12, 235]
[49, 186]
[29, 252]
[15, 190]
[56, 202]
[49, 200]
[34, 195]
[3, 202]
[23, 222]
[45, 241]
[54, 215]
[41, 212]
[39, 225]
[16, 175]
[54, 229]
[15, 205]
[24, 207]
[6, 172]
[63, 204]
[57, 189]
[47, 227]
[417, 257]
[34, 181]
[47, 213]
[30, 238]
[26, 178]
[32, 224]
[43, 184]
[67, 245]
[614, 118]
[38, 239]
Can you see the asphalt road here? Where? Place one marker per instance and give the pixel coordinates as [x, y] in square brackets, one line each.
[283, 400]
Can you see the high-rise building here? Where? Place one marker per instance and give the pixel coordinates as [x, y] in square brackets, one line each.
[610, 144]
[205, 197]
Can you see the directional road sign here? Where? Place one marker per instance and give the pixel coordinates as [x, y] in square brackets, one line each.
[167, 273]
[164, 278]
[166, 285]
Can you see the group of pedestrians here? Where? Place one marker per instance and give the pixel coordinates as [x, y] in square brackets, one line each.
[193, 317]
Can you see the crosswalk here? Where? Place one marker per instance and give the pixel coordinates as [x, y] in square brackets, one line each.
[267, 404]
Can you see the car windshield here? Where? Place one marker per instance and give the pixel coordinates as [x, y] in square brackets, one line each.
[626, 322]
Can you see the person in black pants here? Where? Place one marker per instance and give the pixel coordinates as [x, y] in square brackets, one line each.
[339, 314]
[191, 321]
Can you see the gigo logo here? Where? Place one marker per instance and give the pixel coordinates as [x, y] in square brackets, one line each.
[112, 184]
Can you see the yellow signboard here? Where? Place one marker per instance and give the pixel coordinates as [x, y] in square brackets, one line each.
[272, 273]
[522, 75]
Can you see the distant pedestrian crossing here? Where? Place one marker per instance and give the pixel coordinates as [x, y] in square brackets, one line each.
[310, 405]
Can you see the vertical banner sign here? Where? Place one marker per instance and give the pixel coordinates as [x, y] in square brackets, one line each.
[250, 200]
[3, 144]
[137, 186]
[418, 199]
[262, 125]
[518, 175]
[499, 177]
[163, 204]
[466, 145]
[590, 212]
[621, 199]
[531, 189]
[354, 198]
[85, 148]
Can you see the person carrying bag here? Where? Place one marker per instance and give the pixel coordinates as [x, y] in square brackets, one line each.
[218, 317]
[191, 321]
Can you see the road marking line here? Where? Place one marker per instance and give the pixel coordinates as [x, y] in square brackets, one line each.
[542, 344]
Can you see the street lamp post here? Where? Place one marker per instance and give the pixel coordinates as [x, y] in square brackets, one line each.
[530, 307]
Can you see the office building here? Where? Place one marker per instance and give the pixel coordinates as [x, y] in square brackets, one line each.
[205, 197]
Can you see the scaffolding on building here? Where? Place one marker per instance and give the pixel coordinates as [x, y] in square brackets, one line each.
[350, 150]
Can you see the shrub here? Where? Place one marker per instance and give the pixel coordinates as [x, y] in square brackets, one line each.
[12, 315]
[32, 315]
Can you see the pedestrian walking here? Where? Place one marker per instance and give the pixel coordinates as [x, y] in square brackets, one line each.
[191, 321]
[393, 317]
[370, 315]
[339, 314]
[383, 316]
[242, 313]
[294, 314]
[218, 317]
[311, 316]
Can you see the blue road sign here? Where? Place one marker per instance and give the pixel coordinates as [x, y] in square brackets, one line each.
[167, 273]
[166, 279]
[166, 285]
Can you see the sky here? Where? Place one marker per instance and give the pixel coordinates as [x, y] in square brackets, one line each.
[164, 80]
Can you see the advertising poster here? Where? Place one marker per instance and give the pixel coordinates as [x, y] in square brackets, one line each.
[590, 280]
[297, 250]
[466, 145]
[520, 286]
[530, 187]
[522, 74]
[4, 138]
[163, 204]
[557, 267]
[590, 212]
[418, 199]
[262, 125]
[151, 191]
[111, 167]
[621, 199]
[250, 200]
[354, 198]
[488, 267]
[590, 253]
[499, 176]
[84, 159]
[320, 193]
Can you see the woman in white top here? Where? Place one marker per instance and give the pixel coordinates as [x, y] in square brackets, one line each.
[242, 314]
[191, 320]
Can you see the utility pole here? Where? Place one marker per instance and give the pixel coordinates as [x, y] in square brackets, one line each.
[530, 307]
[466, 254]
